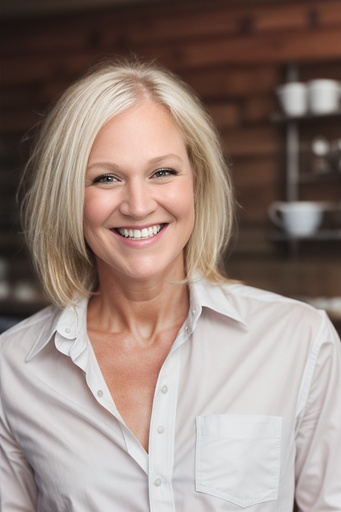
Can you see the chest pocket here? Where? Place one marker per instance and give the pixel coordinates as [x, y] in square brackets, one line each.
[238, 457]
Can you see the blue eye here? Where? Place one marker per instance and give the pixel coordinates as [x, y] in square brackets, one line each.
[105, 178]
[162, 173]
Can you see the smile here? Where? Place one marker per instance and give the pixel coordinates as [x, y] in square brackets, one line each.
[137, 234]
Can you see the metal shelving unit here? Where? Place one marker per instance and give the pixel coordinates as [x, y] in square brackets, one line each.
[297, 177]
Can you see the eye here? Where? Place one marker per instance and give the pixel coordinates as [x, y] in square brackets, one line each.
[105, 178]
[163, 173]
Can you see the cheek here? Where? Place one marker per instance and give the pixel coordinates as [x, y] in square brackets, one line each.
[97, 207]
[184, 199]
[189, 209]
[183, 209]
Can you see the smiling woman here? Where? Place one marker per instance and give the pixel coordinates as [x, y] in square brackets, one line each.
[61, 159]
[152, 382]
[147, 199]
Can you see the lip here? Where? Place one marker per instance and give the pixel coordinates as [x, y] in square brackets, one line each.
[140, 242]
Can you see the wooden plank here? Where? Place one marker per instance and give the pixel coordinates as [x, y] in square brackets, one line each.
[252, 141]
[217, 20]
[256, 186]
[176, 22]
[304, 276]
[43, 68]
[315, 44]
[258, 108]
[322, 191]
[18, 122]
[314, 70]
[14, 97]
[225, 115]
[37, 38]
[297, 16]
[260, 171]
[114, 27]
[233, 80]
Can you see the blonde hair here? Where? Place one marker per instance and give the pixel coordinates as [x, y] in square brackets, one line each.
[53, 203]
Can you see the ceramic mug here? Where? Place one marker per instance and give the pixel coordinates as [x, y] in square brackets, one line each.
[293, 98]
[297, 218]
[323, 96]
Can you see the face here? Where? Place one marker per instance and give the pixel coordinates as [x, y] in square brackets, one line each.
[139, 205]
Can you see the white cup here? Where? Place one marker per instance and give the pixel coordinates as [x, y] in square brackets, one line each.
[297, 218]
[323, 96]
[293, 98]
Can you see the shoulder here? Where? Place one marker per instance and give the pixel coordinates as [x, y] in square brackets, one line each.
[261, 308]
[25, 334]
[256, 298]
[250, 301]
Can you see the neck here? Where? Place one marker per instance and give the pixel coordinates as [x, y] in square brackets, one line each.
[143, 309]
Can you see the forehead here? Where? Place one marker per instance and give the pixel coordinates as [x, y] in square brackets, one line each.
[144, 129]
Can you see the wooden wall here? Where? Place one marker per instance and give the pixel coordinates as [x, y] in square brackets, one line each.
[233, 53]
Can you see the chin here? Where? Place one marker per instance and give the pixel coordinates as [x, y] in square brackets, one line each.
[154, 271]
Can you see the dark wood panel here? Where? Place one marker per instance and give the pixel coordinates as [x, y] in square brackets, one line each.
[235, 80]
[166, 24]
[252, 141]
[312, 45]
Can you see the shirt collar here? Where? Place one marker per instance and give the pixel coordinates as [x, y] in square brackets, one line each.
[214, 296]
[70, 322]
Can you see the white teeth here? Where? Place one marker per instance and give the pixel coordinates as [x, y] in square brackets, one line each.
[136, 234]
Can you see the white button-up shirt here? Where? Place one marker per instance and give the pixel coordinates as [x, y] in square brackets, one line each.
[246, 414]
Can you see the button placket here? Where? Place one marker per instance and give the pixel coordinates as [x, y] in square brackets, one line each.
[161, 452]
[157, 482]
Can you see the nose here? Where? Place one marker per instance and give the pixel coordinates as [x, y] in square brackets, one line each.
[138, 201]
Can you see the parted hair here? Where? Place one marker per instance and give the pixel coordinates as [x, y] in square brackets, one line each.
[54, 178]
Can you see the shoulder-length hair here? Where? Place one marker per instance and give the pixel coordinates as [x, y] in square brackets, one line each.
[54, 201]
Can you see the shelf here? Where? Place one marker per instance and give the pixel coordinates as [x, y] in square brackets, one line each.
[296, 167]
[281, 118]
[310, 177]
[321, 235]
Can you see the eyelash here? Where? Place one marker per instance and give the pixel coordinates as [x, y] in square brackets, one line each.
[165, 170]
[104, 178]
[110, 178]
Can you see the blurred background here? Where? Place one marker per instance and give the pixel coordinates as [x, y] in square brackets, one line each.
[237, 55]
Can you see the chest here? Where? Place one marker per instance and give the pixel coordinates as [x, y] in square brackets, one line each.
[131, 372]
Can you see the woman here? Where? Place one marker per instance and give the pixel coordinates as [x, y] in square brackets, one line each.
[153, 382]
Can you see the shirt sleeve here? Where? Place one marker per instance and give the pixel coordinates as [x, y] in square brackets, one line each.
[318, 439]
[18, 490]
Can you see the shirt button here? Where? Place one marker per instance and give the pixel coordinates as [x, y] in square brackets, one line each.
[161, 429]
[193, 311]
[99, 392]
[157, 482]
[67, 330]
[164, 389]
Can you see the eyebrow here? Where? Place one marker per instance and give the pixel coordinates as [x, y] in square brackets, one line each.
[159, 159]
[111, 166]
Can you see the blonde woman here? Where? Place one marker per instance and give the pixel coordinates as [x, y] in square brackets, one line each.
[152, 382]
